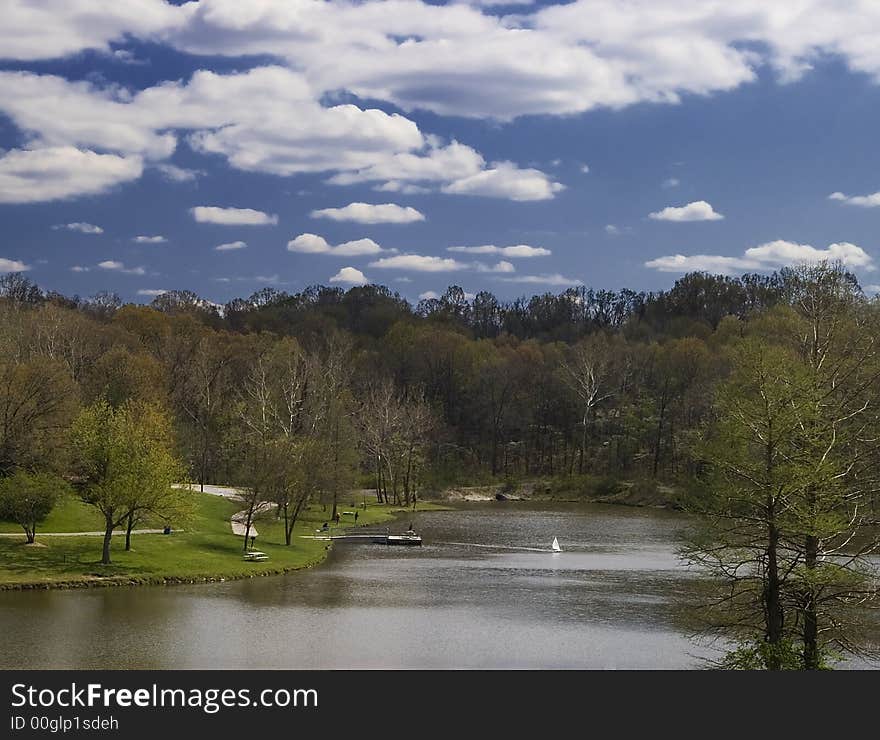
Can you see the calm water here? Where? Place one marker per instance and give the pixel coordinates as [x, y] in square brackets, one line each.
[475, 596]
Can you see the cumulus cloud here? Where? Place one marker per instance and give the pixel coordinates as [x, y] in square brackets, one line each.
[404, 188]
[515, 251]
[32, 31]
[230, 246]
[782, 252]
[314, 244]
[699, 210]
[865, 201]
[506, 180]
[547, 279]
[80, 268]
[173, 173]
[419, 263]
[116, 266]
[459, 59]
[232, 216]
[350, 276]
[81, 227]
[501, 266]
[429, 295]
[366, 213]
[152, 292]
[765, 257]
[58, 173]
[157, 239]
[466, 58]
[701, 263]
[7, 265]
[268, 119]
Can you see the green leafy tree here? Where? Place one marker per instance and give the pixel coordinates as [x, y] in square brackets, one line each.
[125, 461]
[28, 498]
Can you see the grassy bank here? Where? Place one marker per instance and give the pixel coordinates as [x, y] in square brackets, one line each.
[206, 551]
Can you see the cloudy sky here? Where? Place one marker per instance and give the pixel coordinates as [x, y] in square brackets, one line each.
[223, 145]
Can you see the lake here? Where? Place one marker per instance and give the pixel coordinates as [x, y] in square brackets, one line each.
[484, 592]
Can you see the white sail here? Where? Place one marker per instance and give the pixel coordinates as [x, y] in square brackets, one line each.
[555, 545]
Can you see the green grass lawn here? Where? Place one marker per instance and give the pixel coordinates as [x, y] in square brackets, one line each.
[207, 550]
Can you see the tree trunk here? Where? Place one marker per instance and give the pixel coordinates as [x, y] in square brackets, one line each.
[129, 525]
[108, 534]
[772, 601]
[811, 616]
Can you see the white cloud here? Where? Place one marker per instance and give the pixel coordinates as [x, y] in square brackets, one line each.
[232, 216]
[174, 173]
[80, 268]
[314, 244]
[464, 59]
[268, 119]
[350, 276]
[671, 182]
[32, 31]
[612, 229]
[782, 252]
[429, 295]
[517, 250]
[702, 263]
[116, 266]
[865, 201]
[419, 263]
[765, 257]
[230, 246]
[699, 210]
[57, 173]
[502, 266]
[456, 59]
[157, 239]
[81, 227]
[393, 186]
[585, 168]
[7, 265]
[506, 180]
[554, 279]
[366, 213]
[153, 292]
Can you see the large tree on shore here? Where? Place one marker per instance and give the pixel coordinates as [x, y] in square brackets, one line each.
[793, 451]
[125, 462]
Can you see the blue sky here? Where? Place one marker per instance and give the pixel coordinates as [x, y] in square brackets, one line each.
[614, 144]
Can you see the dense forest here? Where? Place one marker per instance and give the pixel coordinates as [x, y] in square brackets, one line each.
[613, 385]
[609, 384]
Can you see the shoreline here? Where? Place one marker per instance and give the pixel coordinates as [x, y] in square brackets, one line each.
[237, 570]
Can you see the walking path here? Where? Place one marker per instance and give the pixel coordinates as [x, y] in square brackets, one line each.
[116, 532]
[237, 521]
